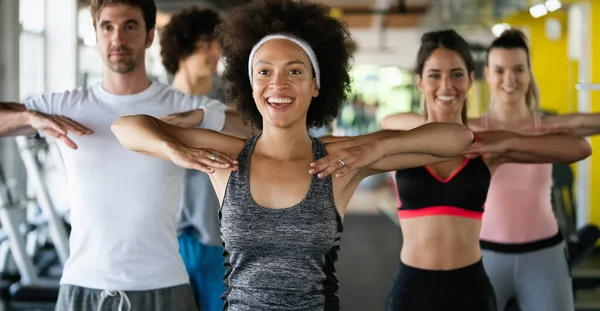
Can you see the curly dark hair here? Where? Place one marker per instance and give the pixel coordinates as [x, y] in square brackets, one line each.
[179, 38]
[330, 39]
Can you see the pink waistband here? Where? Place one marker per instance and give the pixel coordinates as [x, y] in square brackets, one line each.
[439, 210]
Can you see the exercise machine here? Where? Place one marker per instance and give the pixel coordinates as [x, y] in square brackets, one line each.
[29, 292]
[27, 226]
[46, 230]
[29, 148]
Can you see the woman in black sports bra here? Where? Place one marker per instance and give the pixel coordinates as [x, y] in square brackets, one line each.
[441, 205]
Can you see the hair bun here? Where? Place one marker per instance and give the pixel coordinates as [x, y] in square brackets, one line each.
[514, 34]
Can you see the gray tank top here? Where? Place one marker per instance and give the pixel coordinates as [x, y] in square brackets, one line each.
[280, 259]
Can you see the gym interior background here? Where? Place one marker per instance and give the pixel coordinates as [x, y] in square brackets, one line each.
[49, 45]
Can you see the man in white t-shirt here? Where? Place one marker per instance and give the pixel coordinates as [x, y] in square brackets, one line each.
[123, 243]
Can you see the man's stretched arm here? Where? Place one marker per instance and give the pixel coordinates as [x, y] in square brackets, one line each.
[16, 120]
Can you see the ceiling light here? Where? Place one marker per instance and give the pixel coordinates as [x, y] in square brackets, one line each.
[498, 29]
[553, 5]
[538, 10]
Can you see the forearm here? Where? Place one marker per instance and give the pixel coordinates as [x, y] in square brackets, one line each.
[444, 140]
[14, 120]
[352, 141]
[143, 134]
[586, 124]
[551, 148]
[402, 121]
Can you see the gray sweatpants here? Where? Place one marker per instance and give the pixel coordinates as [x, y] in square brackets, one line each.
[539, 280]
[75, 298]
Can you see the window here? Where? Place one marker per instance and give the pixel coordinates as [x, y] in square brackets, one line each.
[32, 48]
[32, 15]
[32, 73]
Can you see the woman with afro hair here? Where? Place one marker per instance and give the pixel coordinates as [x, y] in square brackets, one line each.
[287, 68]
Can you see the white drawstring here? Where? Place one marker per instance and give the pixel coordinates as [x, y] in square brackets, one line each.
[106, 293]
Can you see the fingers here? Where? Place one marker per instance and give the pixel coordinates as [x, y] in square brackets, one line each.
[71, 144]
[77, 128]
[64, 125]
[56, 127]
[53, 133]
[325, 163]
[320, 161]
[327, 168]
[215, 160]
[223, 157]
[203, 168]
[343, 171]
[202, 165]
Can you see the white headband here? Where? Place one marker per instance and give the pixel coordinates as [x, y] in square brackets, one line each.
[303, 44]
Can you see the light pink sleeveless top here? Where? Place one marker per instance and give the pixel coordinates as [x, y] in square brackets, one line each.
[518, 208]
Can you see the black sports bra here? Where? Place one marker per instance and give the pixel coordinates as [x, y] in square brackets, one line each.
[422, 193]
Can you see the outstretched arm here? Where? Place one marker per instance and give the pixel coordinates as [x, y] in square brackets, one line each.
[500, 147]
[191, 148]
[579, 124]
[393, 150]
[402, 121]
[233, 126]
[16, 120]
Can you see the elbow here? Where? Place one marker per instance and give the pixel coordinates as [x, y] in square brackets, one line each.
[118, 126]
[384, 123]
[584, 148]
[577, 152]
[462, 137]
[467, 135]
[123, 125]
[452, 139]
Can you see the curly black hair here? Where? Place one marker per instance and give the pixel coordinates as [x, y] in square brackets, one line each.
[330, 39]
[179, 38]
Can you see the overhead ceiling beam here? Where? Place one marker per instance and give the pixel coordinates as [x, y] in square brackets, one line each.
[390, 21]
[382, 16]
[391, 9]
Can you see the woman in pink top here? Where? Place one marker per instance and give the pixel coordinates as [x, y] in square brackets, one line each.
[520, 232]
[441, 266]
[523, 251]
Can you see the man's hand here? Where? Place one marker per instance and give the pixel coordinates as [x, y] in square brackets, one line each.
[188, 119]
[57, 126]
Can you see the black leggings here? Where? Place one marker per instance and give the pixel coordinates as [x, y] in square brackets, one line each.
[464, 289]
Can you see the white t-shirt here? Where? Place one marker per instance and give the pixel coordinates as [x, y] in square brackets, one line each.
[123, 204]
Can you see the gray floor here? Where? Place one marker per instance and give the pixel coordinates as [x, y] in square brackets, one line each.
[369, 256]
